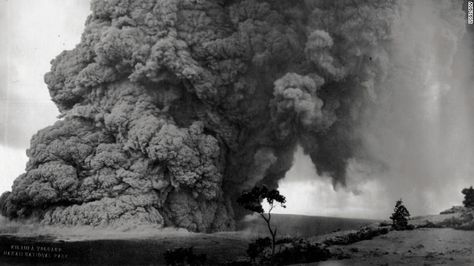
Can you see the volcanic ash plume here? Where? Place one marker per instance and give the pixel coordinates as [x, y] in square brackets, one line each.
[171, 108]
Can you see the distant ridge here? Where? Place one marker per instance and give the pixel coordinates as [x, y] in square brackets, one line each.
[303, 225]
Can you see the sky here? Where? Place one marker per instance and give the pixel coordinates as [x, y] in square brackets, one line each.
[33, 33]
[422, 143]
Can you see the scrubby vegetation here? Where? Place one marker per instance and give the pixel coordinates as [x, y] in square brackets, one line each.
[256, 249]
[365, 233]
[184, 257]
[289, 251]
[300, 251]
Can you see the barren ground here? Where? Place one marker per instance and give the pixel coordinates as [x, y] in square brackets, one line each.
[418, 247]
[443, 246]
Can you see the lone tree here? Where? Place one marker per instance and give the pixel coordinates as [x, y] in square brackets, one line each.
[252, 201]
[400, 216]
[468, 197]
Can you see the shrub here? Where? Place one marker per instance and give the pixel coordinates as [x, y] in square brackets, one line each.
[256, 250]
[184, 257]
[400, 216]
[301, 251]
[364, 233]
[468, 197]
[290, 251]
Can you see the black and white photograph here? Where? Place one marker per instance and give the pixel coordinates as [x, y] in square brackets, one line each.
[236, 132]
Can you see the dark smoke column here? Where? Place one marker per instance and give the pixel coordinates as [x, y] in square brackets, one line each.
[170, 108]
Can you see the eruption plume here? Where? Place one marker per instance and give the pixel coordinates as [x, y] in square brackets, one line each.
[171, 108]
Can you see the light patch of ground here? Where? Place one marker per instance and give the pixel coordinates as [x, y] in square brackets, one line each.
[418, 247]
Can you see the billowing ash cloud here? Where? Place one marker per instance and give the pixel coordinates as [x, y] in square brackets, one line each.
[171, 108]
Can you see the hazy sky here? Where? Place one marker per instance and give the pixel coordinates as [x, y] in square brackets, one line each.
[35, 31]
[32, 33]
